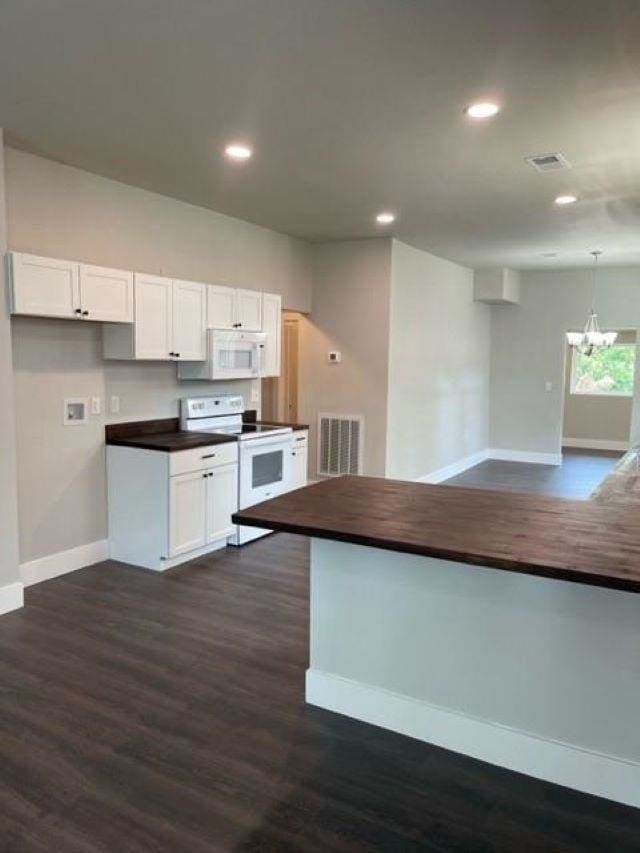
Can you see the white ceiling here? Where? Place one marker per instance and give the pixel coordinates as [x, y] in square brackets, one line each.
[353, 106]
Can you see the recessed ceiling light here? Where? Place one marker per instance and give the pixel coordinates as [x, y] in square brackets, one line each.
[238, 151]
[566, 199]
[385, 218]
[483, 109]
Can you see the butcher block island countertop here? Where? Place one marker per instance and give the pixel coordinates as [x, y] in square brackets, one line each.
[586, 542]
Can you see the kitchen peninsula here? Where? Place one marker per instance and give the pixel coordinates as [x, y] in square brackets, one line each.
[502, 626]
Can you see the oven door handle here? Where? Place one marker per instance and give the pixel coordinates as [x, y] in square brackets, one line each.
[250, 446]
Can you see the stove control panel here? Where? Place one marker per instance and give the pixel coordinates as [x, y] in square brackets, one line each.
[207, 407]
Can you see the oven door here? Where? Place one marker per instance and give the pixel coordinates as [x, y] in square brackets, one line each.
[235, 359]
[264, 469]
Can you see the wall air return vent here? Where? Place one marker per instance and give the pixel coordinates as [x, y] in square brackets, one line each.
[340, 444]
[548, 162]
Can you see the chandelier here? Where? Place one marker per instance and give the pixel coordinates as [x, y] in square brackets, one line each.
[591, 337]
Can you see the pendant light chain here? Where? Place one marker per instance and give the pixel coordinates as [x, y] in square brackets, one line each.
[591, 338]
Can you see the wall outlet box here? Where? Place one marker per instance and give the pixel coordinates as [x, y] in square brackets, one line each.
[255, 391]
[334, 357]
[96, 406]
[75, 411]
[114, 405]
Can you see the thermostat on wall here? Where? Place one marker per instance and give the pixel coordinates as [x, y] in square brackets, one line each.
[334, 357]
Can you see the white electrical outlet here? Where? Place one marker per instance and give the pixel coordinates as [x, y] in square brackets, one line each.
[114, 405]
[548, 386]
[255, 392]
[96, 406]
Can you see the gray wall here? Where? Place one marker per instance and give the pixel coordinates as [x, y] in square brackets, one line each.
[350, 313]
[63, 212]
[438, 403]
[8, 497]
[596, 418]
[528, 348]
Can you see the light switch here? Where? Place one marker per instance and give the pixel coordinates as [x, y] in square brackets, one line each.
[96, 405]
[334, 357]
[114, 405]
[548, 386]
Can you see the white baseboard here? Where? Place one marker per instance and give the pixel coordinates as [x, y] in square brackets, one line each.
[529, 456]
[595, 444]
[553, 761]
[455, 468]
[11, 597]
[54, 565]
[442, 474]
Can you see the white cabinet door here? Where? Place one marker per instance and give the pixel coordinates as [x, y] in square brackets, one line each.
[189, 320]
[44, 287]
[272, 325]
[222, 501]
[187, 512]
[106, 294]
[153, 317]
[221, 307]
[298, 467]
[248, 310]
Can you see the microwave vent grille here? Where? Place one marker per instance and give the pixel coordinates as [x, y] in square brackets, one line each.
[340, 444]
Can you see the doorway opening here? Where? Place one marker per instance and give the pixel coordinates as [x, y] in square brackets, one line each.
[280, 393]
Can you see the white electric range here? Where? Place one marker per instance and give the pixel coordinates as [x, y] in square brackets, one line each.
[264, 452]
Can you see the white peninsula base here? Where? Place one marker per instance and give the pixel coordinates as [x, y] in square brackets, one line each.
[536, 675]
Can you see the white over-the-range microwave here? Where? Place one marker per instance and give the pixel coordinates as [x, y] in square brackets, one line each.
[230, 355]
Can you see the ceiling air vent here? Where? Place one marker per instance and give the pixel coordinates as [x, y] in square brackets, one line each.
[548, 162]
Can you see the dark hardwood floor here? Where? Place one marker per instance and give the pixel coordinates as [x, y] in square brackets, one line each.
[145, 712]
[581, 471]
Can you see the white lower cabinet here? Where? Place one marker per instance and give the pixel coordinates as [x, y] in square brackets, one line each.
[187, 512]
[299, 459]
[221, 501]
[165, 508]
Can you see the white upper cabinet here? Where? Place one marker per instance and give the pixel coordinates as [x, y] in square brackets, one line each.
[189, 319]
[152, 334]
[221, 307]
[44, 287]
[272, 325]
[233, 308]
[47, 287]
[169, 322]
[106, 294]
[249, 310]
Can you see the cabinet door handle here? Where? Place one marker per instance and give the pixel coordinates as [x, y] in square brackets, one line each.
[177, 354]
[293, 453]
[78, 311]
[208, 456]
[85, 313]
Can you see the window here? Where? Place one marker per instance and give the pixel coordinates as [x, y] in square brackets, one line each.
[609, 371]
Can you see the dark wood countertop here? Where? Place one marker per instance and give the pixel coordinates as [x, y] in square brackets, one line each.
[586, 542]
[162, 434]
